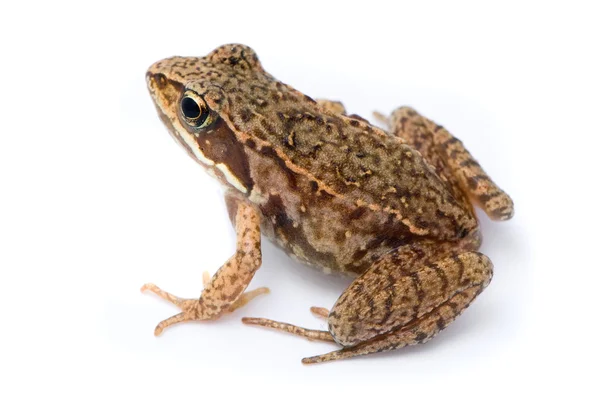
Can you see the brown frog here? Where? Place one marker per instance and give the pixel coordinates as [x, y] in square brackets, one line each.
[335, 192]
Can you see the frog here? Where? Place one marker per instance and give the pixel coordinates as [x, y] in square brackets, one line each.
[392, 205]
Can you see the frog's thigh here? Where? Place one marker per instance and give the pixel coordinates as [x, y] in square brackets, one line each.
[392, 306]
[449, 156]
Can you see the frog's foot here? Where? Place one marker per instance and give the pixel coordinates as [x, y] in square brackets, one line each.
[188, 307]
[224, 292]
[192, 309]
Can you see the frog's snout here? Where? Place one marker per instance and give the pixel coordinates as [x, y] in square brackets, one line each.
[156, 81]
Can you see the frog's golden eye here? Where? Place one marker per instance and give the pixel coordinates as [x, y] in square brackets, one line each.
[194, 110]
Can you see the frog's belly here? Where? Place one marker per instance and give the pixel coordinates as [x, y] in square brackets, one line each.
[331, 237]
[322, 230]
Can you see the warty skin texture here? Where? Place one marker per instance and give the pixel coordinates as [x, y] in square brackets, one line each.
[337, 193]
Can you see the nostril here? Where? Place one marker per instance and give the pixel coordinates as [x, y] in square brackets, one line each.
[158, 79]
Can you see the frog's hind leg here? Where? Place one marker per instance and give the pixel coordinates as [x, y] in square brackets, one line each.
[452, 162]
[223, 293]
[405, 304]
[405, 298]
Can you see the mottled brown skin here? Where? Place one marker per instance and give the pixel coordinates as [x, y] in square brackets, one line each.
[225, 291]
[334, 192]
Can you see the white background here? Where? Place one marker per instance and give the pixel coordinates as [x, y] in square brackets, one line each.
[96, 199]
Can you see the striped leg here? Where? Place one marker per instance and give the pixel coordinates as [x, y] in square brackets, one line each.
[225, 291]
[405, 298]
[452, 161]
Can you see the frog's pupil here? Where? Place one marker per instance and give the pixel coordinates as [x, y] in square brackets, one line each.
[190, 108]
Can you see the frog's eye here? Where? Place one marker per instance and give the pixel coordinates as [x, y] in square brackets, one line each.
[194, 110]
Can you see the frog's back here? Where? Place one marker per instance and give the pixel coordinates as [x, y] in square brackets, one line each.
[339, 193]
[333, 189]
[344, 156]
[350, 159]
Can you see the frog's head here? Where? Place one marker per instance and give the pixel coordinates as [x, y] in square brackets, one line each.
[194, 96]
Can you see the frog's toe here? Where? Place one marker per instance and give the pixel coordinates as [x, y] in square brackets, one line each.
[205, 278]
[382, 119]
[162, 294]
[247, 297]
[318, 335]
[332, 106]
[320, 312]
[189, 307]
[193, 309]
[178, 318]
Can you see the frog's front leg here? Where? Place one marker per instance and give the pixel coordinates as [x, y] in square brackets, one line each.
[225, 291]
[405, 298]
